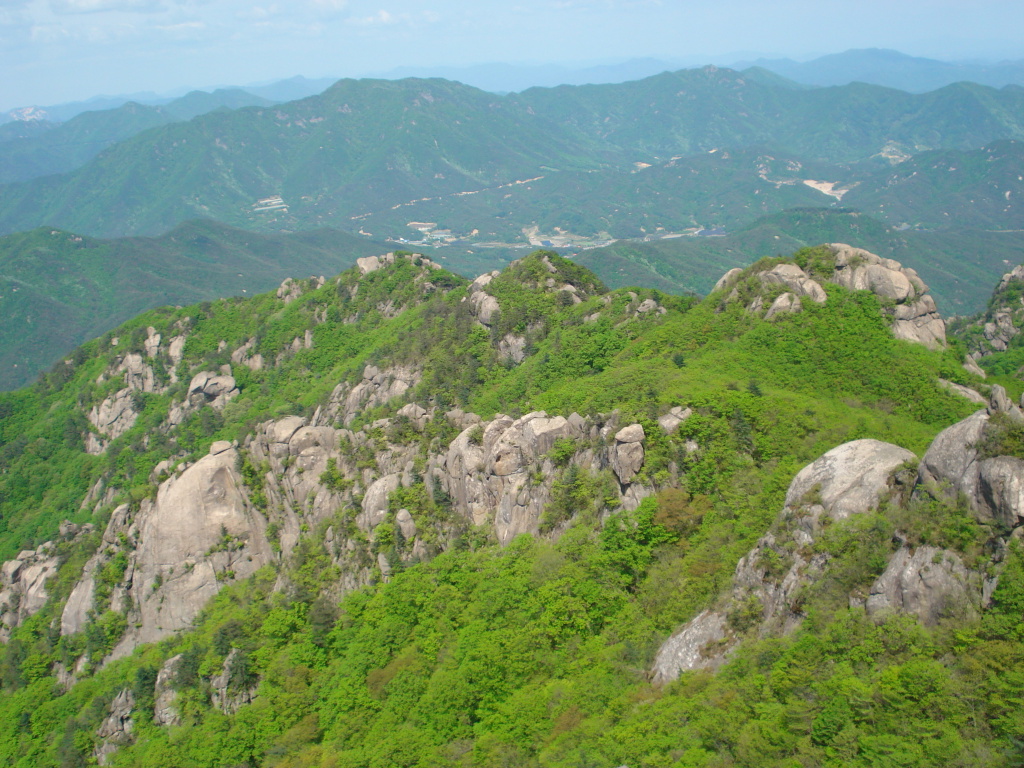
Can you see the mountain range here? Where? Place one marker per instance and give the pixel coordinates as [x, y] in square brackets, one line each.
[398, 518]
[372, 153]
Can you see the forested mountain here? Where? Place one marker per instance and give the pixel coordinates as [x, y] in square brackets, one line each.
[960, 266]
[893, 69]
[393, 152]
[394, 518]
[30, 149]
[59, 289]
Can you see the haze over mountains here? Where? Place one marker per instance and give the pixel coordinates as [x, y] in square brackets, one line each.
[875, 66]
[723, 488]
[431, 163]
[378, 154]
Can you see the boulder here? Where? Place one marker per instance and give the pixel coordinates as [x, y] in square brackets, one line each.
[416, 414]
[670, 421]
[728, 279]
[375, 501]
[966, 392]
[137, 374]
[786, 304]
[512, 347]
[919, 322]
[212, 388]
[951, 459]
[225, 697]
[1001, 485]
[198, 535]
[23, 590]
[116, 730]
[929, 583]
[152, 342]
[972, 367]
[698, 645]
[485, 307]
[795, 280]
[914, 316]
[849, 479]
[111, 418]
[406, 524]
[164, 695]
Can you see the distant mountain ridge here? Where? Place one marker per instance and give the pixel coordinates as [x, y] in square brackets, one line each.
[36, 148]
[59, 289]
[374, 148]
[893, 69]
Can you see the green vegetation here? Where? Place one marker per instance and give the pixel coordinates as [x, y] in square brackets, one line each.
[534, 654]
[960, 266]
[59, 290]
[359, 155]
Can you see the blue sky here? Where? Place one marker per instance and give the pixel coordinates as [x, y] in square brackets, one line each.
[53, 51]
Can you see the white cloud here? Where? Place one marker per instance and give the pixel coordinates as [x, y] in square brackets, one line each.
[99, 6]
[382, 17]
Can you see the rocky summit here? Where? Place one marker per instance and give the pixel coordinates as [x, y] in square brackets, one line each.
[395, 517]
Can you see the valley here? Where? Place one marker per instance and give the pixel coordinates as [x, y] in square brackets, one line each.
[676, 423]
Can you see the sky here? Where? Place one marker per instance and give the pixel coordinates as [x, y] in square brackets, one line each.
[54, 51]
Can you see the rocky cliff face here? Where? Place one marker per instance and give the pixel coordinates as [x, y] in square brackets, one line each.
[203, 529]
[925, 581]
[178, 550]
[996, 328]
[400, 484]
[23, 586]
[783, 288]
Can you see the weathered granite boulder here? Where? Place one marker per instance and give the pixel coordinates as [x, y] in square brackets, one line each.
[670, 421]
[152, 342]
[406, 524]
[992, 486]
[198, 535]
[929, 583]
[848, 480]
[695, 646]
[728, 279]
[212, 388]
[860, 270]
[375, 501]
[377, 387]
[966, 392]
[795, 280]
[485, 306]
[226, 696]
[111, 418]
[628, 457]
[116, 730]
[785, 304]
[137, 374]
[23, 586]
[164, 696]
[512, 347]
[914, 316]
[487, 469]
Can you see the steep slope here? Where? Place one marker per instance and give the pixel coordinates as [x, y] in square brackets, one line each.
[67, 146]
[44, 149]
[369, 148]
[60, 289]
[959, 265]
[453, 522]
[979, 189]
